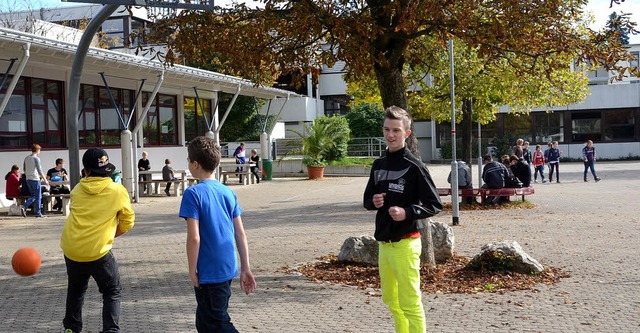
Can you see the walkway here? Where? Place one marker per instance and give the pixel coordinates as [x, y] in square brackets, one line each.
[590, 230]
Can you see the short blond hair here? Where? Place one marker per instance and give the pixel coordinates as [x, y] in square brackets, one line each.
[398, 113]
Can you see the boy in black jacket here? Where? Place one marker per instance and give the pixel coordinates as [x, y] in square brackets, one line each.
[400, 188]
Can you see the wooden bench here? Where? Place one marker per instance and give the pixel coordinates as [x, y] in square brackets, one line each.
[248, 177]
[237, 170]
[483, 193]
[154, 186]
[47, 200]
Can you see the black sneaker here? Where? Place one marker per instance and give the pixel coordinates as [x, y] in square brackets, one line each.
[597, 180]
[167, 192]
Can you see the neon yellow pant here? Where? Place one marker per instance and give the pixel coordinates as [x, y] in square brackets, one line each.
[399, 265]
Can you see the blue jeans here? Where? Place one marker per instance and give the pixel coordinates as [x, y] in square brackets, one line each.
[213, 303]
[589, 165]
[105, 272]
[540, 169]
[36, 196]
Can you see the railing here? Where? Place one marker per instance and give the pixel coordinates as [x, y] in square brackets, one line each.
[357, 147]
[366, 147]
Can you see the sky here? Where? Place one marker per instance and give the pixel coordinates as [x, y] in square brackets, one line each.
[599, 8]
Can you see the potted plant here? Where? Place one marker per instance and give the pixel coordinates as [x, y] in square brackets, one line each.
[321, 139]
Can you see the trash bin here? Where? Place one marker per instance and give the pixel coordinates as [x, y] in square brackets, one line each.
[267, 166]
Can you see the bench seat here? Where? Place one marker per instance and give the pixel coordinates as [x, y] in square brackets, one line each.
[483, 193]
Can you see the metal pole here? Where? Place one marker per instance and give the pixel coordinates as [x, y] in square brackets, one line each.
[454, 162]
[74, 90]
[479, 155]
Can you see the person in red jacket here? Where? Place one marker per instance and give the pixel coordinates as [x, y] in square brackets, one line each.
[13, 182]
[538, 164]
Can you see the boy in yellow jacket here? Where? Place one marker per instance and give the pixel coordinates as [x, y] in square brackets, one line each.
[100, 210]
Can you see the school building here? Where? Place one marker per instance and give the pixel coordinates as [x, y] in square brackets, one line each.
[113, 93]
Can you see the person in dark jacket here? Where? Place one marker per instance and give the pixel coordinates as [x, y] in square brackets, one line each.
[464, 180]
[521, 170]
[554, 161]
[493, 174]
[400, 188]
[589, 157]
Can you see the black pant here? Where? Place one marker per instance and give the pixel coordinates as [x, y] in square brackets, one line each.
[105, 272]
[256, 172]
[59, 190]
[212, 311]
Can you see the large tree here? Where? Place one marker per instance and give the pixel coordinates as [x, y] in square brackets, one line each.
[379, 37]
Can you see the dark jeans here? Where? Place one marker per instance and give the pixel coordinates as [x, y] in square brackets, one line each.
[213, 302]
[556, 167]
[168, 187]
[540, 169]
[59, 190]
[256, 173]
[36, 196]
[105, 272]
[590, 165]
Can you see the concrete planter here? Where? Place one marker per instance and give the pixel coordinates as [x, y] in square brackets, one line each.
[294, 168]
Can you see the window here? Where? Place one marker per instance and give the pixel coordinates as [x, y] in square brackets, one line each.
[518, 125]
[160, 123]
[634, 63]
[618, 125]
[33, 114]
[586, 126]
[99, 121]
[194, 122]
[548, 127]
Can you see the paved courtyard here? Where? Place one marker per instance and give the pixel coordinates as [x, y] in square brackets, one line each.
[590, 230]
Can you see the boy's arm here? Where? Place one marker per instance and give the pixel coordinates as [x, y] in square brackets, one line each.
[193, 247]
[126, 217]
[430, 203]
[247, 281]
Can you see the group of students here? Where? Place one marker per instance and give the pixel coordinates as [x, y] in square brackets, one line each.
[30, 182]
[551, 157]
[515, 170]
[241, 158]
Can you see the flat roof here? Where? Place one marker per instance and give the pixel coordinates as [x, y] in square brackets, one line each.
[11, 41]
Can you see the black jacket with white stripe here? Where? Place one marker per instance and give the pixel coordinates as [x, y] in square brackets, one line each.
[407, 184]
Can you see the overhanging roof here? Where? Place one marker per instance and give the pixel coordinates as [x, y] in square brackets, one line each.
[98, 60]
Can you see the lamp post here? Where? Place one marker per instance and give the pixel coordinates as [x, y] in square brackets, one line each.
[454, 162]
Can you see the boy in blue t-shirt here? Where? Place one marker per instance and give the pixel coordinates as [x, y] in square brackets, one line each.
[214, 231]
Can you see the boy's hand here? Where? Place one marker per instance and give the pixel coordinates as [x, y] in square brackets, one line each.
[247, 282]
[398, 213]
[378, 200]
[194, 279]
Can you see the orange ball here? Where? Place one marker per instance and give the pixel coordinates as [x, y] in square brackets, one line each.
[26, 261]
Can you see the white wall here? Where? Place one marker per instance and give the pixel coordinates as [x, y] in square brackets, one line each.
[296, 109]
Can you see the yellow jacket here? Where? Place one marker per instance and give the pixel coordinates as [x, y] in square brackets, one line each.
[98, 206]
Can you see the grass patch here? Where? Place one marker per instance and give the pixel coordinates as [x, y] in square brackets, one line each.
[366, 161]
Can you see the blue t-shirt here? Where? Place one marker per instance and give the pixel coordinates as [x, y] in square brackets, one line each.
[215, 206]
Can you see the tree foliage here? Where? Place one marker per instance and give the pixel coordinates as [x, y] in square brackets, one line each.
[615, 24]
[366, 120]
[378, 38]
[243, 122]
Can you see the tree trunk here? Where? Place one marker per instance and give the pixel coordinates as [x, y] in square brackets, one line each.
[466, 131]
[393, 92]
